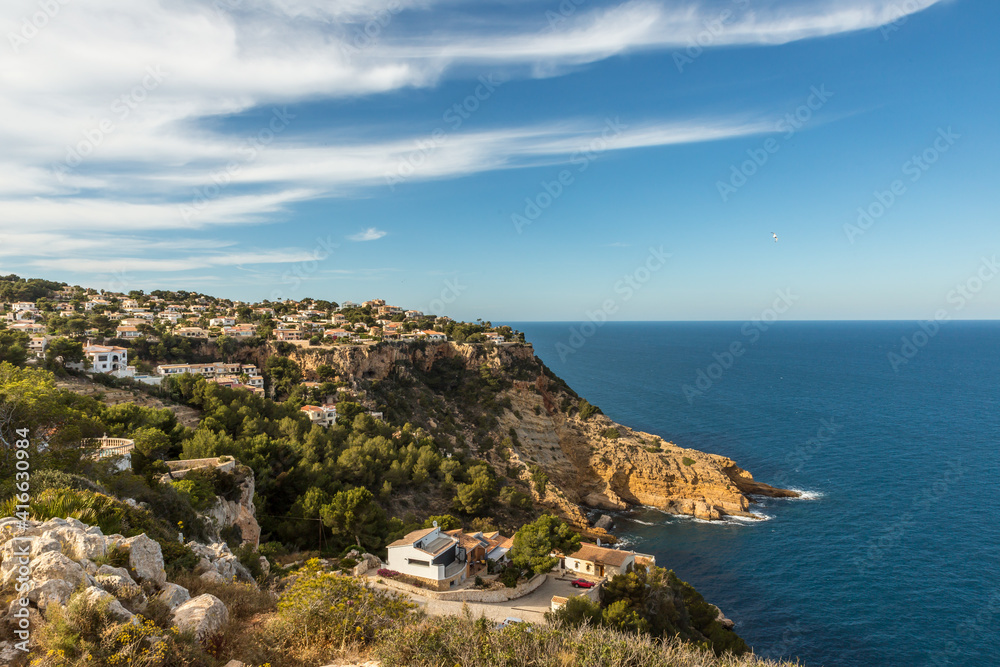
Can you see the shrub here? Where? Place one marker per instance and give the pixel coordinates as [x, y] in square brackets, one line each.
[387, 573]
[177, 558]
[688, 462]
[539, 479]
[197, 488]
[587, 410]
[322, 610]
[610, 434]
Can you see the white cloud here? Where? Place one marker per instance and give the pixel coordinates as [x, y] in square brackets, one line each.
[370, 234]
[140, 87]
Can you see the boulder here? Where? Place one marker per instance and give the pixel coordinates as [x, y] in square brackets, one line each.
[265, 565]
[55, 565]
[146, 559]
[214, 577]
[604, 523]
[204, 616]
[173, 595]
[8, 653]
[96, 596]
[107, 570]
[53, 591]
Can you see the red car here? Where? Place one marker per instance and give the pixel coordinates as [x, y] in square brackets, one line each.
[581, 583]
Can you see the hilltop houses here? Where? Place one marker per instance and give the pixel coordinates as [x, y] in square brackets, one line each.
[325, 415]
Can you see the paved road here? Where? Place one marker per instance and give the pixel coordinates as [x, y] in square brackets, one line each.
[531, 607]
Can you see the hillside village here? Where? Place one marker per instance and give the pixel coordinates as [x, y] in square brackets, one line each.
[161, 525]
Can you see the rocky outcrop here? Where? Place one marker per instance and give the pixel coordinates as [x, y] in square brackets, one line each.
[204, 615]
[218, 563]
[240, 513]
[592, 463]
[146, 559]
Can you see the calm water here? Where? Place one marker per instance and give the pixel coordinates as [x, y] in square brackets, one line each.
[897, 559]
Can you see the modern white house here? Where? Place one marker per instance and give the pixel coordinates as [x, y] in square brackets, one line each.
[37, 346]
[222, 322]
[430, 555]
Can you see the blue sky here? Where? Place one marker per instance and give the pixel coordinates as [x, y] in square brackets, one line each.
[269, 149]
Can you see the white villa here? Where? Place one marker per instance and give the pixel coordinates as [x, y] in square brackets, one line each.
[325, 415]
[596, 561]
[109, 359]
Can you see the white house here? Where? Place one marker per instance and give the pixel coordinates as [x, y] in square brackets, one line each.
[430, 555]
[127, 332]
[37, 345]
[336, 333]
[222, 322]
[27, 327]
[494, 337]
[107, 359]
[433, 336]
[413, 314]
[594, 560]
[192, 332]
[240, 331]
[325, 415]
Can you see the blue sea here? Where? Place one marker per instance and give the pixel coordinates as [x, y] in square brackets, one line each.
[894, 557]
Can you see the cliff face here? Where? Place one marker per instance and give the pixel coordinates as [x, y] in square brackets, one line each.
[589, 463]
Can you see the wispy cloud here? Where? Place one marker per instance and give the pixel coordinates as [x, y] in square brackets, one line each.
[81, 86]
[370, 234]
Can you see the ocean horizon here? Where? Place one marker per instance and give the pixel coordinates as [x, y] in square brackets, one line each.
[889, 428]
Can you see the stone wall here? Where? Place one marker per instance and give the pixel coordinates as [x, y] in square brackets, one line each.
[472, 594]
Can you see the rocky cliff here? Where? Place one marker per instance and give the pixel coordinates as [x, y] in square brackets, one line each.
[483, 395]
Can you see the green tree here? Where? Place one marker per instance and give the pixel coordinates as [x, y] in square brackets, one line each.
[473, 498]
[284, 374]
[61, 351]
[535, 541]
[444, 522]
[355, 514]
[14, 347]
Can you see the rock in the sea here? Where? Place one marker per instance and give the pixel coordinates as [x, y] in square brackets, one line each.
[604, 523]
[204, 616]
[146, 559]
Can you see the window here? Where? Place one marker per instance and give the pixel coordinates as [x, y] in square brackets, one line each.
[102, 357]
[414, 561]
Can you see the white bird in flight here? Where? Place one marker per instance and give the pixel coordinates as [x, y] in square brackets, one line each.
[775, 237]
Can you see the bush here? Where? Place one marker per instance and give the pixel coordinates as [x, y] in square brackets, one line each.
[198, 488]
[178, 558]
[587, 410]
[688, 462]
[57, 479]
[611, 434]
[387, 573]
[322, 610]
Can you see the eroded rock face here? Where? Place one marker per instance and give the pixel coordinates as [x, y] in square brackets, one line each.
[218, 558]
[55, 565]
[239, 513]
[146, 559]
[204, 615]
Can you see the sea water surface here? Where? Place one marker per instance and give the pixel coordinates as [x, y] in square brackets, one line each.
[895, 559]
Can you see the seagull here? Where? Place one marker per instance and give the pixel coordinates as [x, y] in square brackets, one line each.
[775, 237]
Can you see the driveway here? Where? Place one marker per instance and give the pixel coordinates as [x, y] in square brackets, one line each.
[531, 607]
